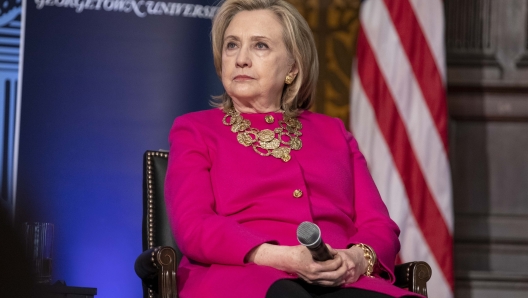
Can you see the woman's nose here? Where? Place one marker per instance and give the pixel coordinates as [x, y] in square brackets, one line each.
[243, 59]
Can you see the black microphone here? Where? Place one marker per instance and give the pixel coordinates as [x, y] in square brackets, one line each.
[309, 235]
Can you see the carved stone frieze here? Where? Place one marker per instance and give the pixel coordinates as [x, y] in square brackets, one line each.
[486, 42]
[469, 38]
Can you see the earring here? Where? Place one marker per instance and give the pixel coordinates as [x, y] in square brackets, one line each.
[289, 79]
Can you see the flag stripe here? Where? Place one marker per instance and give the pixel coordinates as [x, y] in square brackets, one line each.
[422, 204]
[422, 61]
[410, 103]
[373, 145]
[399, 116]
[431, 18]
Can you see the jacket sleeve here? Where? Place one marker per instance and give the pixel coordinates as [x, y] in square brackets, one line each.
[201, 234]
[374, 226]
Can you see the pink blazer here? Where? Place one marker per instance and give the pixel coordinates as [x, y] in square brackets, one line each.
[223, 199]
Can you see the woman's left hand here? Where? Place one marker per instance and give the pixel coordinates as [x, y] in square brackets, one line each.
[355, 262]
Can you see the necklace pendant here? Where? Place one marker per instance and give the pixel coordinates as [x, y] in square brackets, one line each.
[282, 153]
[273, 144]
[241, 125]
[266, 135]
[266, 142]
[295, 143]
[245, 139]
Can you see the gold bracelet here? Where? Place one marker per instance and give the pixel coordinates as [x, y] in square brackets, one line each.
[370, 256]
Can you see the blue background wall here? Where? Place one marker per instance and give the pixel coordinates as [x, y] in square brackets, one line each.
[98, 89]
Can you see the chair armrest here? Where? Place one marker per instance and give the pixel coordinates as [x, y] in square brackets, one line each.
[157, 269]
[413, 276]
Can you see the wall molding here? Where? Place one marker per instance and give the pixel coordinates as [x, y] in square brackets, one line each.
[498, 229]
[488, 103]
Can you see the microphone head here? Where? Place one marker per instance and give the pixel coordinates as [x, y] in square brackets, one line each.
[309, 234]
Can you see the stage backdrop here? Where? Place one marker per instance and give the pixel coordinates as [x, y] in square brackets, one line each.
[102, 82]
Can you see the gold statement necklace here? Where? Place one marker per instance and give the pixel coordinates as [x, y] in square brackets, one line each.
[266, 142]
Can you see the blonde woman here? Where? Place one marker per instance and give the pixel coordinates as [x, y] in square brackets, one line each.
[243, 176]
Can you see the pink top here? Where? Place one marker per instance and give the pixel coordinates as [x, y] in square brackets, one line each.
[224, 199]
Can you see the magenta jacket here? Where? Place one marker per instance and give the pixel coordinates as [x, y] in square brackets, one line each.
[224, 199]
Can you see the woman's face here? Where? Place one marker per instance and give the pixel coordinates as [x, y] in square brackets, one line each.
[255, 60]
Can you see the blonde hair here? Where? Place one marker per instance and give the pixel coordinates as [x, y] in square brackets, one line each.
[299, 41]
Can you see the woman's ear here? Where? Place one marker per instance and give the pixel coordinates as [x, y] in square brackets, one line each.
[294, 70]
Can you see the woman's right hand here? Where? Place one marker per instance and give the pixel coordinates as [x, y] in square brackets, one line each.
[330, 273]
[298, 260]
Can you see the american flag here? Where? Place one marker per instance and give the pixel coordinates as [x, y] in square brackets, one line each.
[399, 117]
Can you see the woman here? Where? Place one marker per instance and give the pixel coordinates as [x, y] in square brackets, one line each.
[242, 177]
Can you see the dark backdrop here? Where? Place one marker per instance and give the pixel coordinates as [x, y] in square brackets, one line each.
[99, 88]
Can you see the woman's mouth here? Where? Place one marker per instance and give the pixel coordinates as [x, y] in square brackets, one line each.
[242, 78]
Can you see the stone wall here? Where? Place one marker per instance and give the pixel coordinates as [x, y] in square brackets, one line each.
[487, 57]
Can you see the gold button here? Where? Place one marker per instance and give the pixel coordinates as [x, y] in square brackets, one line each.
[269, 119]
[297, 193]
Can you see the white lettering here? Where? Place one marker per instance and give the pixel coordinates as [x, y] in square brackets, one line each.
[151, 7]
[98, 4]
[137, 11]
[120, 5]
[127, 6]
[162, 8]
[188, 9]
[89, 4]
[212, 11]
[79, 6]
[40, 4]
[108, 5]
[198, 11]
[60, 3]
[176, 9]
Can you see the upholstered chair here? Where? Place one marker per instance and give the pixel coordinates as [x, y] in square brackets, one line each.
[158, 263]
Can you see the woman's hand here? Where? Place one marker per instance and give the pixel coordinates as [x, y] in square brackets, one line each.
[298, 260]
[330, 273]
[355, 263]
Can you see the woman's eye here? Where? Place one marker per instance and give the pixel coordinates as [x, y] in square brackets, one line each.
[261, 46]
[230, 45]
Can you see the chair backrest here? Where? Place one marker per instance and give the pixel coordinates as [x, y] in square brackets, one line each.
[156, 227]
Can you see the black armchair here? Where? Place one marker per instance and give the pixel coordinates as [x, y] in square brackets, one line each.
[158, 263]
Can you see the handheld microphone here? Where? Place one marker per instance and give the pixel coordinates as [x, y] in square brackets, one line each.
[309, 235]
